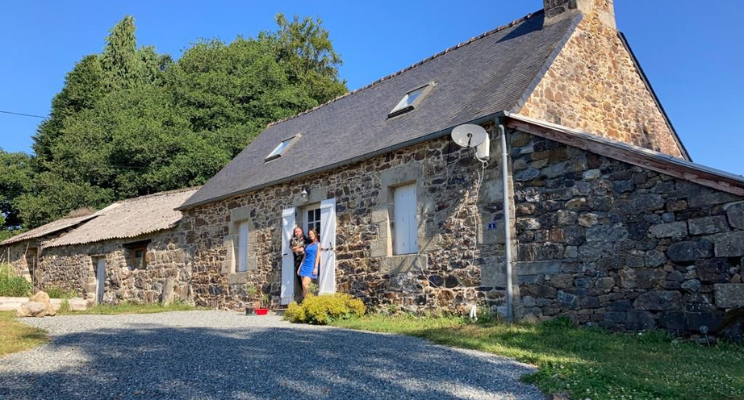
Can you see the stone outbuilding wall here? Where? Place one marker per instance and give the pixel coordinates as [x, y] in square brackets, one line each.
[165, 278]
[19, 256]
[449, 271]
[621, 246]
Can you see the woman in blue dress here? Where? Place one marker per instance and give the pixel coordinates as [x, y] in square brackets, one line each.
[309, 268]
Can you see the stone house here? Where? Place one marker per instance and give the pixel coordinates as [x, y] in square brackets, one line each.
[589, 205]
[609, 221]
[130, 250]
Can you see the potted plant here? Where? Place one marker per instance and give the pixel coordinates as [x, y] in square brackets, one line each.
[264, 307]
[250, 291]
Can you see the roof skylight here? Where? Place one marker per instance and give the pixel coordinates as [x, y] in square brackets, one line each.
[411, 100]
[281, 148]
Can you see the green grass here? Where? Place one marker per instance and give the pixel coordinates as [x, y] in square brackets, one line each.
[15, 336]
[588, 363]
[57, 293]
[11, 284]
[127, 308]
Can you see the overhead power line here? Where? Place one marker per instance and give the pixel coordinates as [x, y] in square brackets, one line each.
[22, 114]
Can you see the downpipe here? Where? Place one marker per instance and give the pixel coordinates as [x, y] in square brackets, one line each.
[507, 223]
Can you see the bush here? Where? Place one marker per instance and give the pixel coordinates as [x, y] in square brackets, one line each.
[57, 293]
[12, 285]
[320, 310]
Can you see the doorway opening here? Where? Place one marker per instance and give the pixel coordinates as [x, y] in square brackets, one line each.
[100, 279]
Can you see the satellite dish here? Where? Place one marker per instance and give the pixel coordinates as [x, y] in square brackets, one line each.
[469, 135]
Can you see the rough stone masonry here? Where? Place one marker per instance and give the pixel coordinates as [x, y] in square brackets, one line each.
[617, 245]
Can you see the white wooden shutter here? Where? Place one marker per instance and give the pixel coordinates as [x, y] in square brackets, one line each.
[243, 247]
[406, 222]
[327, 273]
[288, 270]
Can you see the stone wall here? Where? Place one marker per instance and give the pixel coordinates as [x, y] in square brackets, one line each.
[620, 246]
[445, 274]
[15, 256]
[166, 276]
[594, 85]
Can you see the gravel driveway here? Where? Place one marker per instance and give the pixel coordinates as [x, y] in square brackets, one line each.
[224, 355]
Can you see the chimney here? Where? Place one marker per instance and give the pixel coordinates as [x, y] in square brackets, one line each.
[603, 10]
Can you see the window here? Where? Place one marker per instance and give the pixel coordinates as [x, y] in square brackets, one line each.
[405, 234]
[410, 100]
[243, 247]
[281, 148]
[138, 259]
[136, 253]
[313, 221]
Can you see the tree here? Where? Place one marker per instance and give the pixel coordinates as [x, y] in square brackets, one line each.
[130, 121]
[51, 197]
[306, 50]
[84, 86]
[15, 180]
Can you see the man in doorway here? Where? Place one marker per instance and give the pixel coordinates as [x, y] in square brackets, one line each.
[297, 245]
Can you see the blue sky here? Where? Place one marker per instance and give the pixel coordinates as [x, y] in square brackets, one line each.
[692, 54]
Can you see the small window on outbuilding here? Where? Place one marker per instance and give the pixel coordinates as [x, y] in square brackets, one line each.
[137, 254]
[281, 148]
[138, 260]
[411, 100]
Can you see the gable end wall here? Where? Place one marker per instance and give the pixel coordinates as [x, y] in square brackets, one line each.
[594, 85]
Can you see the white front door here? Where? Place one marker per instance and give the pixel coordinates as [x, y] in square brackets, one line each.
[288, 269]
[327, 278]
[100, 279]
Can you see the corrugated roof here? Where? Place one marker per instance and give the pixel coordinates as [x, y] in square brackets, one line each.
[477, 78]
[129, 218]
[48, 229]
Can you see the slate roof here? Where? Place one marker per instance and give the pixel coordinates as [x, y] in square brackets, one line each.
[631, 154]
[48, 229]
[478, 78]
[129, 218]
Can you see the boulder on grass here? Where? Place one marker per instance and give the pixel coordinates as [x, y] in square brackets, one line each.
[31, 309]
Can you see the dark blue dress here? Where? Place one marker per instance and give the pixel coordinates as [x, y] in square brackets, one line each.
[308, 264]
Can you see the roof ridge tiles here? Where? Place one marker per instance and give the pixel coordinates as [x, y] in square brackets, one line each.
[163, 193]
[410, 67]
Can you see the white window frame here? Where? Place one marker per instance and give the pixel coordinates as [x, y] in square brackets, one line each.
[405, 227]
[282, 148]
[243, 247]
[411, 100]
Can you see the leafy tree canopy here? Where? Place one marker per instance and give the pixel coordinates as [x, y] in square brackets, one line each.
[130, 121]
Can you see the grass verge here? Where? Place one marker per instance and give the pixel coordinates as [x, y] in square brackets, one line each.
[127, 308]
[588, 363]
[15, 336]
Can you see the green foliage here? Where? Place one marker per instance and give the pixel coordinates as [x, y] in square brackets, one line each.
[587, 363]
[131, 121]
[64, 307]
[52, 197]
[323, 309]
[59, 293]
[12, 285]
[15, 179]
[16, 336]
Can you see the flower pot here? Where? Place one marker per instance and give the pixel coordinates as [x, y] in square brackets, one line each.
[262, 311]
[250, 311]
